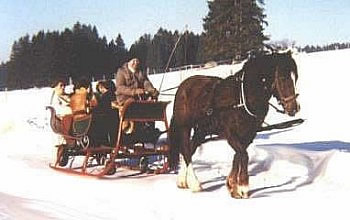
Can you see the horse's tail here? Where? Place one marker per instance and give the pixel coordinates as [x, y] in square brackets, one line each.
[174, 144]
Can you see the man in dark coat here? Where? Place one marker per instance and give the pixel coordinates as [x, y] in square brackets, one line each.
[131, 82]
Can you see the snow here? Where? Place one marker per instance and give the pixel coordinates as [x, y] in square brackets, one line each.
[300, 172]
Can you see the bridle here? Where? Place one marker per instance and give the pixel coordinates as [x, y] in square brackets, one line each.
[282, 100]
[242, 97]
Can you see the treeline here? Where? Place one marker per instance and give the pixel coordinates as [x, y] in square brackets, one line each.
[166, 49]
[232, 28]
[73, 53]
[334, 46]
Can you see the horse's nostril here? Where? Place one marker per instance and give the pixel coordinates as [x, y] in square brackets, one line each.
[292, 112]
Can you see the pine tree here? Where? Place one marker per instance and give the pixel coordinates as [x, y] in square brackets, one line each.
[121, 51]
[232, 28]
[187, 49]
[160, 50]
[140, 48]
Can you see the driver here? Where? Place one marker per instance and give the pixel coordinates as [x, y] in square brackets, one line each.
[132, 83]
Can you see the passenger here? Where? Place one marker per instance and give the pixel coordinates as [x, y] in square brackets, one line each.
[131, 83]
[105, 119]
[59, 100]
[82, 99]
[61, 103]
[105, 95]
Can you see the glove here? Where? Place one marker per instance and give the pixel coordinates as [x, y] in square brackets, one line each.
[155, 93]
[139, 91]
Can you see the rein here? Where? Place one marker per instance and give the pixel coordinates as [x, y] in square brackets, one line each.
[277, 109]
[284, 101]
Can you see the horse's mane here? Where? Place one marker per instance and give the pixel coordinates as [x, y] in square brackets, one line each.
[265, 63]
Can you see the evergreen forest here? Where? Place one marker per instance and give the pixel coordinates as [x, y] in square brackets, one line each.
[231, 29]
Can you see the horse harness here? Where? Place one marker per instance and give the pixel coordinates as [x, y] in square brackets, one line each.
[242, 98]
[208, 123]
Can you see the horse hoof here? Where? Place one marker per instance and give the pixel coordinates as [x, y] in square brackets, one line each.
[240, 192]
[243, 191]
[182, 184]
[196, 188]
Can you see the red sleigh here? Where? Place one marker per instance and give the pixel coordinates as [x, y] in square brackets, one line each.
[148, 154]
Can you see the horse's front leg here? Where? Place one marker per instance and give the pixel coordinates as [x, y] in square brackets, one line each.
[238, 179]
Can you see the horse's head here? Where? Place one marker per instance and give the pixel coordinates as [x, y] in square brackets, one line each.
[286, 76]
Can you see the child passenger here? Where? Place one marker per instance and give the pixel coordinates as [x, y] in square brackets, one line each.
[105, 119]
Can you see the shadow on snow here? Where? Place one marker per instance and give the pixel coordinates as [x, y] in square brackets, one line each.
[314, 156]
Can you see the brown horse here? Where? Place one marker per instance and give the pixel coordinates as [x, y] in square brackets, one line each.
[232, 108]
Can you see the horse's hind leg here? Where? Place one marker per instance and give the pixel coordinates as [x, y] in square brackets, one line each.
[186, 177]
[184, 138]
[238, 180]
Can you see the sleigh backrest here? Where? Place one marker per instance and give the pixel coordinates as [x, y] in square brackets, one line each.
[144, 111]
[81, 125]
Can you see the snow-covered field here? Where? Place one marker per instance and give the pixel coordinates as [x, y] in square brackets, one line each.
[300, 172]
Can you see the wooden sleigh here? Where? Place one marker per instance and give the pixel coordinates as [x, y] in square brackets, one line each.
[85, 159]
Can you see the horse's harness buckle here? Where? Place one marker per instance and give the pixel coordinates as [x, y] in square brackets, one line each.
[209, 111]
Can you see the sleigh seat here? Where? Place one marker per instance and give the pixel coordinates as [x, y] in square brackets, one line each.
[79, 128]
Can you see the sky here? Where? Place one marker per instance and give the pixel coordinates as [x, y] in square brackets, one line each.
[302, 21]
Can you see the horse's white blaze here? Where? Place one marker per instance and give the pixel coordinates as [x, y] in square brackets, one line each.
[293, 76]
[192, 180]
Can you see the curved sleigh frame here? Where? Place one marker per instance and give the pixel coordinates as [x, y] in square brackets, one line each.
[102, 160]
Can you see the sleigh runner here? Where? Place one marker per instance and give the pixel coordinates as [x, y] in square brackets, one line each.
[138, 149]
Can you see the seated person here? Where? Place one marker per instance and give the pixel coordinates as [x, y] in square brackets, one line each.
[60, 102]
[78, 104]
[81, 101]
[105, 120]
[131, 83]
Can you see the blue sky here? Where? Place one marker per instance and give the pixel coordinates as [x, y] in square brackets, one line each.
[304, 21]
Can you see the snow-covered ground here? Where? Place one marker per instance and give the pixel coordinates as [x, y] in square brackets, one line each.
[300, 172]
